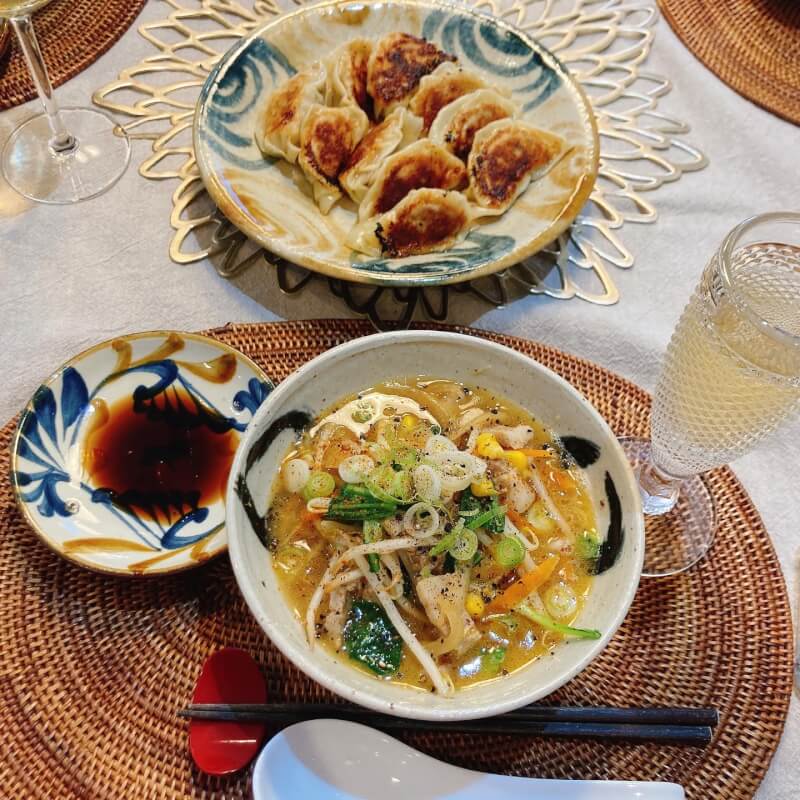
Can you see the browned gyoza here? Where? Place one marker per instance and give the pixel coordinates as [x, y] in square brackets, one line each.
[447, 83]
[506, 155]
[397, 64]
[457, 123]
[420, 165]
[422, 222]
[327, 139]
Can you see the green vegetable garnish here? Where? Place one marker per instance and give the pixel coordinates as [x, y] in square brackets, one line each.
[492, 659]
[369, 637]
[482, 512]
[390, 485]
[548, 623]
[509, 552]
[488, 519]
[372, 533]
[448, 540]
[319, 484]
[465, 546]
[356, 503]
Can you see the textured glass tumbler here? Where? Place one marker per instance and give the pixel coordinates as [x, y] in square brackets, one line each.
[58, 156]
[731, 375]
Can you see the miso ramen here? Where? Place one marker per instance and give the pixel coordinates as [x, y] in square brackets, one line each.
[433, 534]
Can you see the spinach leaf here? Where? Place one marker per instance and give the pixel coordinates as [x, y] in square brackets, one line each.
[478, 507]
[369, 637]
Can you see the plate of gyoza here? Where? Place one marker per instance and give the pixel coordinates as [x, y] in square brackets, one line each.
[396, 142]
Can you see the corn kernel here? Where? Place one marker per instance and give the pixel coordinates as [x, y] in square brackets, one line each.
[482, 488]
[474, 604]
[517, 459]
[486, 446]
[408, 422]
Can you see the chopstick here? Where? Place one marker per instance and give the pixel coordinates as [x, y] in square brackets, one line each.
[677, 725]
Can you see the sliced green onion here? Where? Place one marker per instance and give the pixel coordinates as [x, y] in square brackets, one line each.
[372, 533]
[319, 484]
[391, 486]
[509, 552]
[482, 519]
[560, 601]
[551, 625]
[465, 545]
[443, 544]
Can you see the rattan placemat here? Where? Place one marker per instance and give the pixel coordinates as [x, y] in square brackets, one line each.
[752, 45]
[72, 35]
[92, 668]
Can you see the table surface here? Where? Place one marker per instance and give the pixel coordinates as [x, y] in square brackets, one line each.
[73, 276]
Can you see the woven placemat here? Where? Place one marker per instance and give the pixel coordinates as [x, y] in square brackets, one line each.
[93, 668]
[752, 45]
[72, 35]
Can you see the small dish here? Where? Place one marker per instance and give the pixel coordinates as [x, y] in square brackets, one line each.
[67, 455]
[356, 365]
[330, 759]
[263, 199]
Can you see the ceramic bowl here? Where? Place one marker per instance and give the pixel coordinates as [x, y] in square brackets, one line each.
[354, 366]
[265, 200]
[84, 521]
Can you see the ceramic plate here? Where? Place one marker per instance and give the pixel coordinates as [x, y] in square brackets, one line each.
[264, 198]
[59, 467]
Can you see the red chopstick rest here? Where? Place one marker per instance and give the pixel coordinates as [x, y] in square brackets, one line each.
[219, 748]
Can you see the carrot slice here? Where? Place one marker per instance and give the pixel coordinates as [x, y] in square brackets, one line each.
[537, 453]
[520, 589]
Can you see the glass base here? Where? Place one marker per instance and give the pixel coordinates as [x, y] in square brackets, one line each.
[36, 171]
[678, 536]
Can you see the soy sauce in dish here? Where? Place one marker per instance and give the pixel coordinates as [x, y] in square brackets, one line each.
[163, 457]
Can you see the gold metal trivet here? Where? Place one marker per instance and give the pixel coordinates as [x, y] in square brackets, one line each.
[603, 44]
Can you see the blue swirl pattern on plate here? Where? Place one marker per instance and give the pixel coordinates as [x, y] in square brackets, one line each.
[237, 91]
[52, 429]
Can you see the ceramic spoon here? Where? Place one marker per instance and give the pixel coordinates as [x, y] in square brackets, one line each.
[328, 759]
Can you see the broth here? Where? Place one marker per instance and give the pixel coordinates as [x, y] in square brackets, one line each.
[397, 425]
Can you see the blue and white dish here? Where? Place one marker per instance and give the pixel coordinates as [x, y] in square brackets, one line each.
[86, 523]
[265, 200]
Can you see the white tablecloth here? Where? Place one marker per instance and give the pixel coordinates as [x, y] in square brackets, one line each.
[72, 276]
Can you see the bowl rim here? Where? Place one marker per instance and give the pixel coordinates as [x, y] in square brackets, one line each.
[41, 531]
[305, 660]
[221, 198]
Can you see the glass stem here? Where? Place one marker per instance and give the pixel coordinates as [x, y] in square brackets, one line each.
[658, 488]
[62, 142]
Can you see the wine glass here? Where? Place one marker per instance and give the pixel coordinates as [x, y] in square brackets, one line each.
[731, 375]
[58, 156]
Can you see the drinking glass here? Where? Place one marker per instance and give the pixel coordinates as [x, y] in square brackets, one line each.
[731, 375]
[59, 156]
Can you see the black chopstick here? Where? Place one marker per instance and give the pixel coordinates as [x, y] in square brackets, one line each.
[679, 725]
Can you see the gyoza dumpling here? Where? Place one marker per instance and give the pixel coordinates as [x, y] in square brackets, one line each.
[424, 221]
[399, 129]
[506, 156]
[446, 83]
[456, 124]
[327, 138]
[347, 75]
[422, 164]
[278, 126]
[397, 64]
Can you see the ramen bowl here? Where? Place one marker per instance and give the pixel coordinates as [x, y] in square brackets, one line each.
[356, 365]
